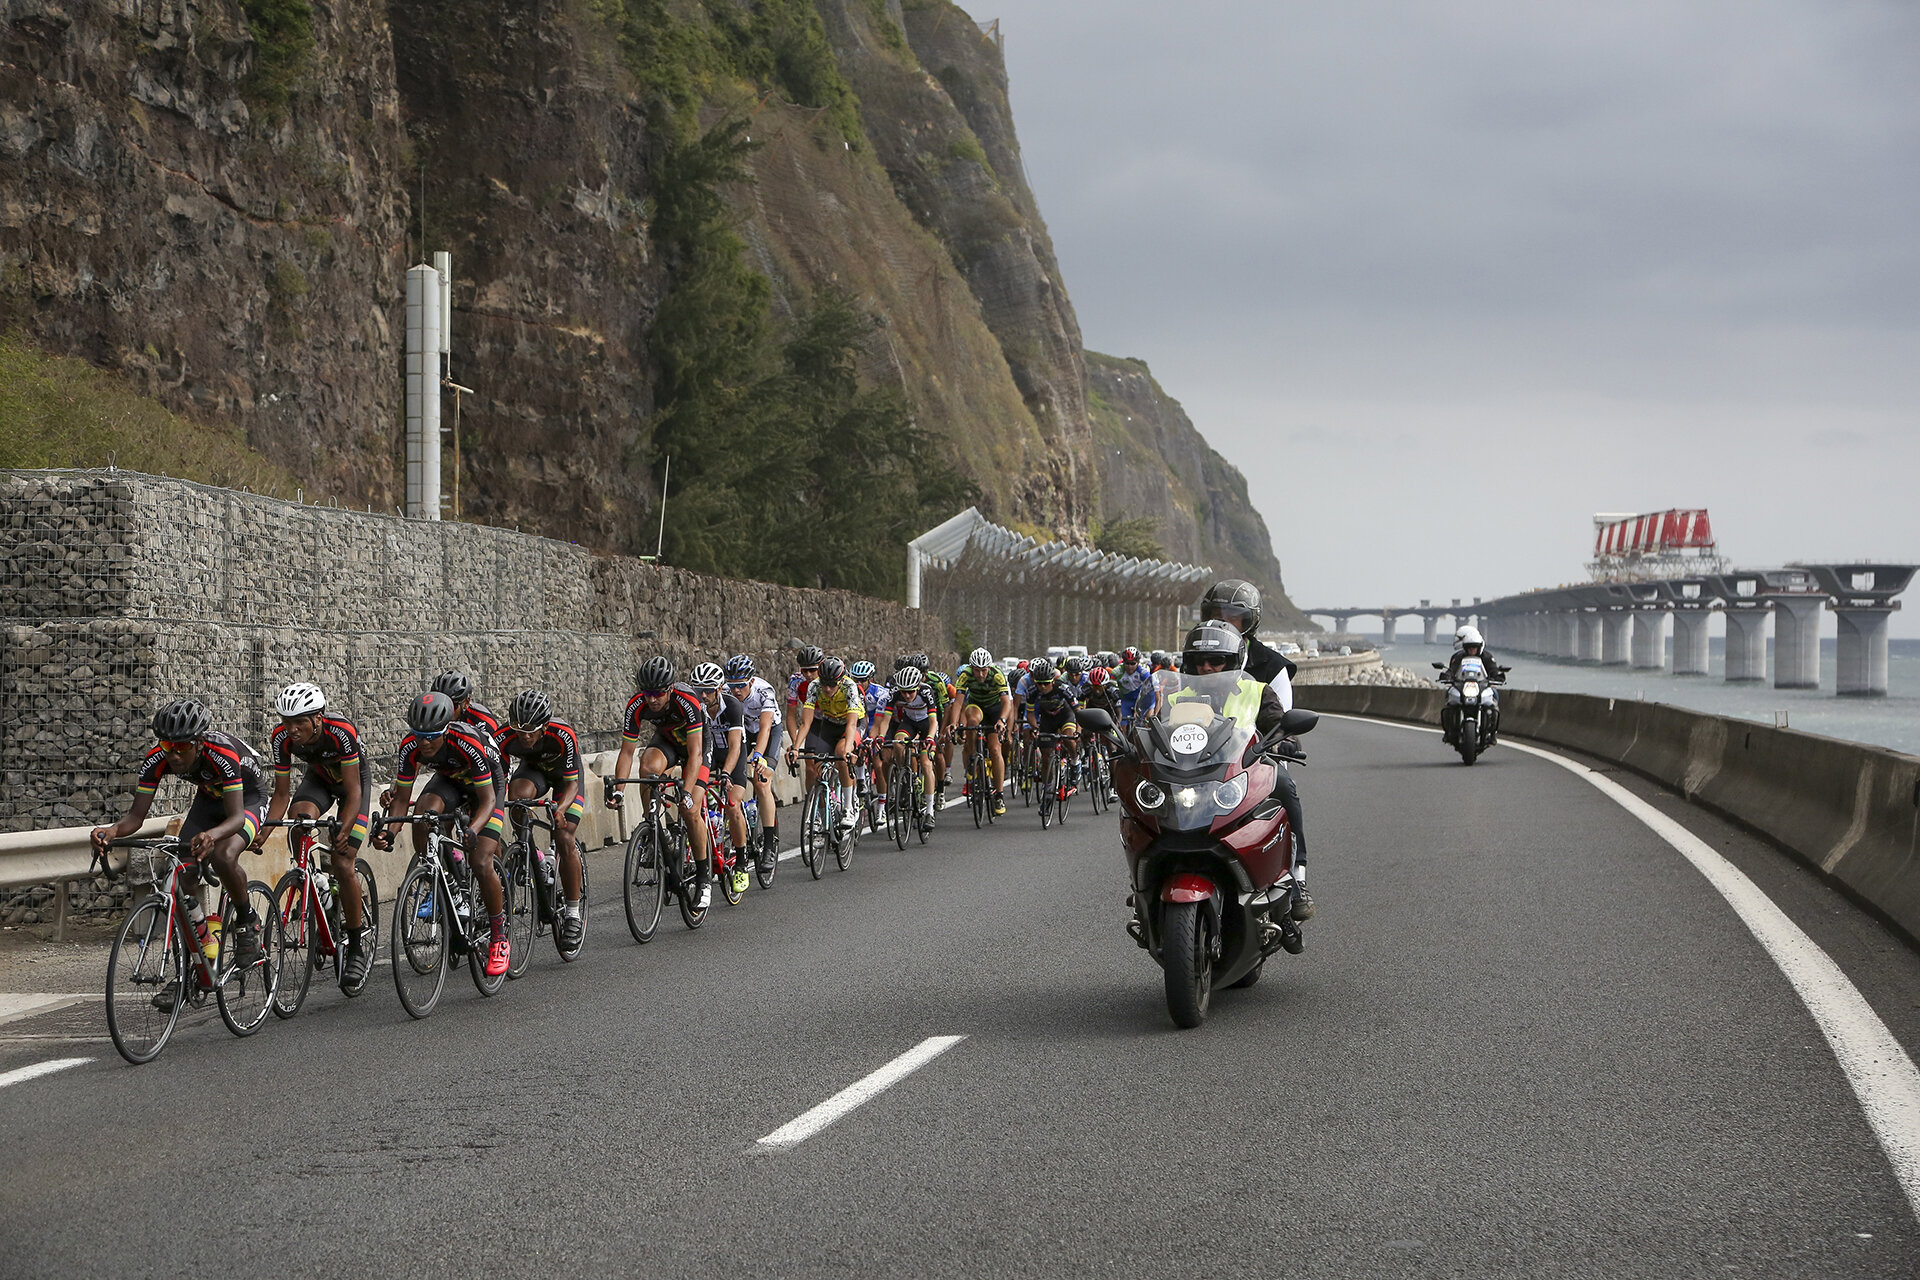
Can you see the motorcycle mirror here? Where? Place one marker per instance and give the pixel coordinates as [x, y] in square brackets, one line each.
[1298, 721]
[1439, 666]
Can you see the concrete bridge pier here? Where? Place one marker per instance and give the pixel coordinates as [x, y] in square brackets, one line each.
[1690, 641]
[1746, 644]
[1649, 651]
[1427, 632]
[1565, 635]
[1861, 653]
[1387, 623]
[1796, 641]
[1589, 649]
[1613, 637]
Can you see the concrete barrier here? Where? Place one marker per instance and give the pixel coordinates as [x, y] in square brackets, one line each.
[1850, 810]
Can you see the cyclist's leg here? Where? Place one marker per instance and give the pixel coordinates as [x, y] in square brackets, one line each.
[570, 802]
[763, 792]
[486, 848]
[996, 756]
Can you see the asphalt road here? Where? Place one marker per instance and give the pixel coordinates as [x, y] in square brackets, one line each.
[1526, 1039]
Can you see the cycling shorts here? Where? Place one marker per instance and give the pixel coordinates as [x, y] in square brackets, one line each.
[543, 784]
[459, 795]
[323, 793]
[905, 728]
[209, 812]
[1054, 723]
[824, 735]
[736, 775]
[677, 758]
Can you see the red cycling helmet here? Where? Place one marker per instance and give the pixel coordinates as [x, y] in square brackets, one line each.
[1023, 664]
[1098, 678]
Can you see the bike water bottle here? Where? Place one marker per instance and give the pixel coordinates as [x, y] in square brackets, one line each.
[210, 943]
[543, 866]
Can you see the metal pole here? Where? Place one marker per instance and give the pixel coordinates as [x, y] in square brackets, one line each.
[423, 393]
[666, 473]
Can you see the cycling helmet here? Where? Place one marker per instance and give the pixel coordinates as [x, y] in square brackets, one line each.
[1042, 671]
[182, 720]
[299, 700]
[861, 670]
[454, 684]
[1160, 660]
[902, 662]
[980, 658]
[1129, 654]
[921, 661]
[909, 678]
[430, 713]
[530, 709]
[1109, 659]
[740, 667]
[1026, 665]
[1216, 641]
[1074, 665]
[706, 676]
[655, 675]
[1098, 678]
[810, 656]
[832, 670]
[1232, 600]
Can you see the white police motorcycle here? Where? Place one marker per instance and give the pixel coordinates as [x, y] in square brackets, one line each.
[1473, 708]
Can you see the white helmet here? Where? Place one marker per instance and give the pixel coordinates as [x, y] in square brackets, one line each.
[980, 658]
[1467, 635]
[300, 700]
[1460, 633]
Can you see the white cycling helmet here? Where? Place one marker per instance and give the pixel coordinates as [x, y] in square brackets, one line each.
[300, 700]
[1467, 635]
[980, 658]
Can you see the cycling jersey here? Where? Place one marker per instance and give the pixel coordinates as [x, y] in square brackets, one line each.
[1053, 701]
[1024, 689]
[797, 686]
[837, 704]
[555, 753]
[226, 764]
[759, 697]
[912, 704]
[475, 714]
[875, 698]
[1133, 683]
[676, 721]
[334, 750]
[465, 755]
[982, 691]
[731, 715]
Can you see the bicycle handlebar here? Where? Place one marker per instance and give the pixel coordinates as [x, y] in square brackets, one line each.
[331, 824]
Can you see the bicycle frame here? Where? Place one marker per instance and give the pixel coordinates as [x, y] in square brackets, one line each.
[447, 887]
[301, 853]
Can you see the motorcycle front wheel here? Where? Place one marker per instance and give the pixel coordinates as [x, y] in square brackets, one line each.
[1469, 740]
[1187, 954]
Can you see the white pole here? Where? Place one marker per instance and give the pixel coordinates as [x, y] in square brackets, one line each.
[423, 393]
[666, 471]
[443, 266]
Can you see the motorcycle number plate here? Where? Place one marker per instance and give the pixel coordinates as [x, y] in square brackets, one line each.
[1188, 739]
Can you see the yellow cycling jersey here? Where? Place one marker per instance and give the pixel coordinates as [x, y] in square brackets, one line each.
[837, 703]
[984, 691]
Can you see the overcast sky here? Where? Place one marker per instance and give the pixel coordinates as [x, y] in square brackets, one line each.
[1445, 279]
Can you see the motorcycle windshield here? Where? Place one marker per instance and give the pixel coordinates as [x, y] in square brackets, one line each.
[1471, 669]
[1201, 728]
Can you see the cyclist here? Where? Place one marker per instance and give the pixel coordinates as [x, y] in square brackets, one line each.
[726, 758]
[459, 689]
[223, 820]
[549, 753]
[911, 719]
[1101, 693]
[764, 731]
[1052, 702]
[873, 700]
[808, 662]
[1136, 683]
[338, 772]
[466, 771]
[1166, 681]
[830, 724]
[943, 750]
[984, 699]
[679, 742]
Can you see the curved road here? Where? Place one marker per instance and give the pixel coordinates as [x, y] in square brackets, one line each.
[1526, 1039]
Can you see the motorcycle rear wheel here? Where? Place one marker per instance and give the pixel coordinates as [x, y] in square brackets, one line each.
[1187, 954]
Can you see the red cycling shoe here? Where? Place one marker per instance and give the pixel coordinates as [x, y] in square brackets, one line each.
[498, 954]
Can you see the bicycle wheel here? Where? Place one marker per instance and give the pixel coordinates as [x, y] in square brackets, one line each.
[1048, 789]
[369, 912]
[899, 802]
[482, 943]
[296, 955]
[977, 788]
[691, 915]
[813, 831]
[645, 887]
[843, 842]
[919, 801]
[764, 867]
[420, 943]
[520, 889]
[246, 995]
[147, 961]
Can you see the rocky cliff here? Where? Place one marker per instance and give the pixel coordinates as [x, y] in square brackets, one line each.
[218, 200]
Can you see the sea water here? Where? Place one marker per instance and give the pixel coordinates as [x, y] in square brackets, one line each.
[1892, 721]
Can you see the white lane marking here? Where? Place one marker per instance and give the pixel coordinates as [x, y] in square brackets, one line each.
[38, 1069]
[1882, 1075]
[805, 1125]
[17, 1005]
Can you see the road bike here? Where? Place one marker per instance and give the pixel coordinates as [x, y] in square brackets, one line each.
[721, 857]
[438, 914]
[907, 791]
[659, 858]
[538, 895]
[979, 785]
[159, 964]
[313, 929]
[822, 825]
[1059, 776]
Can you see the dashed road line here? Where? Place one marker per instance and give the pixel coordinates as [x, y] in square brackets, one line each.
[38, 1069]
[807, 1123]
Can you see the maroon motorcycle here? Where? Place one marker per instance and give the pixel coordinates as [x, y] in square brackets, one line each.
[1208, 843]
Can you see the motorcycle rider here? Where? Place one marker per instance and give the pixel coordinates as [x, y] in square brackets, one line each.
[1237, 602]
[1468, 643]
[1217, 646]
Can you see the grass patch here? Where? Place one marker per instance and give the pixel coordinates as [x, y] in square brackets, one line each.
[56, 411]
[282, 32]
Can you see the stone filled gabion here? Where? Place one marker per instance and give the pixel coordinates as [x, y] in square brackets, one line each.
[123, 590]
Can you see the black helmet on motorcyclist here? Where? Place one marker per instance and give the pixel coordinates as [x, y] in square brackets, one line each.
[1212, 646]
[1232, 600]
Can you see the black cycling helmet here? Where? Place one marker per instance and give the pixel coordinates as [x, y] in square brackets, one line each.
[1160, 660]
[1213, 641]
[904, 661]
[530, 709]
[740, 667]
[655, 675]
[1233, 600]
[454, 684]
[831, 670]
[430, 713]
[1074, 665]
[809, 656]
[182, 720]
[1042, 671]
[921, 661]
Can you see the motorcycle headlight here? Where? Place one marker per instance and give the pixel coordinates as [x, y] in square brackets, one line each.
[1149, 795]
[1228, 795]
[1470, 689]
[1186, 797]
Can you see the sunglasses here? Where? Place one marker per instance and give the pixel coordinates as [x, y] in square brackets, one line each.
[181, 745]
